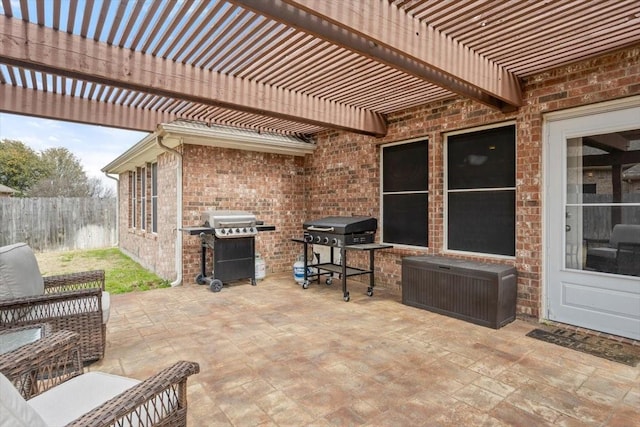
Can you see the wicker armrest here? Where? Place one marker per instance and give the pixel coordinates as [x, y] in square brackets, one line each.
[73, 281]
[591, 243]
[158, 400]
[27, 310]
[43, 364]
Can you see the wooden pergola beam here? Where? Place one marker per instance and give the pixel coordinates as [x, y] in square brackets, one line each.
[388, 35]
[27, 45]
[17, 100]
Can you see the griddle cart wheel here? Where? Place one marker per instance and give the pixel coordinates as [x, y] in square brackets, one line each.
[200, 279]
[305, 284]
[346, 297]
[216, 285]
[329, 281]
[370, 291]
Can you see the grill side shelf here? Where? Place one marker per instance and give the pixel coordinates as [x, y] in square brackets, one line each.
[342, 269]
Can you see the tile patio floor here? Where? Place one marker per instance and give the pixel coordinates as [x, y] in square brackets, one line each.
[278, 355]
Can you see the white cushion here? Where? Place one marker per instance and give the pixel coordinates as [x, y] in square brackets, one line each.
[19, 272]
[14, 410]
[64, 403]
[106, 307]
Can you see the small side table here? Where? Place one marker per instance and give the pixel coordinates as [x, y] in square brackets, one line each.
[36, 359]
[14, 338]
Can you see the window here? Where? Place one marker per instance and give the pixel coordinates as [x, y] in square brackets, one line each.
[143, 198]
[133, 186]
[154, 197]
[405, 195]
[481, 195]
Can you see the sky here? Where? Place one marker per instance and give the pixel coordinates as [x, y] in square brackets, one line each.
[94, 146]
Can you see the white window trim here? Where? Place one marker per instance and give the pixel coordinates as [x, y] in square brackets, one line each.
[154, 197]
[134, 199]
[143, 198]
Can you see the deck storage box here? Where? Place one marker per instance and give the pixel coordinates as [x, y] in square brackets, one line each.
[480, 293]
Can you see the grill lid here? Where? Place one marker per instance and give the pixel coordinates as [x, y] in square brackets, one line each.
[228, 219]
[343, 224]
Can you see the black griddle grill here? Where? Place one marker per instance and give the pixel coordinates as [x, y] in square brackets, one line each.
[344, 233]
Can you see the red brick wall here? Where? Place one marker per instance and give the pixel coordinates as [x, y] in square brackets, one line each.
[343, 176]
[269, 185]
[155, 251]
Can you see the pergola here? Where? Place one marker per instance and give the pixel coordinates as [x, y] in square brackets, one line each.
[288, 66]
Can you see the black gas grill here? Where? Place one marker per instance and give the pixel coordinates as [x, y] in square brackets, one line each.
[344, 233]
[231, 237]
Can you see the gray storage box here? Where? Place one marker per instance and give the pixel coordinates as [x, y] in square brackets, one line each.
[480, 293]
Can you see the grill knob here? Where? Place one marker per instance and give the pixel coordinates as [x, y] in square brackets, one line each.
[244, 230]
[230, 230]
[325, 240]
[308, 239]
[317, 239]
[237, 230]
[334, 242]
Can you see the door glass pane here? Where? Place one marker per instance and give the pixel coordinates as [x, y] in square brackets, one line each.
[602, 212]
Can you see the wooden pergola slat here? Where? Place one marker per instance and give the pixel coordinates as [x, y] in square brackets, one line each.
[23, 44]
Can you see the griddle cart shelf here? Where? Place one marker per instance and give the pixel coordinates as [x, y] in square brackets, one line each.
[343, 270]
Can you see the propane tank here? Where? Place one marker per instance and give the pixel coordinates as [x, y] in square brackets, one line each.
[261, 267]
[298, 270]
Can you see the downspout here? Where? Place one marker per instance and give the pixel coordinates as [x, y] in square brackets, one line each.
[178, 251]
[117, 207]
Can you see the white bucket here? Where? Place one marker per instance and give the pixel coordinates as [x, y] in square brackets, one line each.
[261, 267]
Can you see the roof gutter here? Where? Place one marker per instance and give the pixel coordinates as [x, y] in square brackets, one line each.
[117, 207]
[178, 242]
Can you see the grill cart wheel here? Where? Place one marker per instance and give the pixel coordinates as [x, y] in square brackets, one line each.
[329, 281]
[305, 284]
[200, 279]
[346, 297]
[253, 282]
[370, 291]
[216, 285]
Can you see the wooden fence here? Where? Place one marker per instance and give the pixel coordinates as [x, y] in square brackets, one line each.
[58, 223]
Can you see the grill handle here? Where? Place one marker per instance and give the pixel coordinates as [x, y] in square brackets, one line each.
[326, 229]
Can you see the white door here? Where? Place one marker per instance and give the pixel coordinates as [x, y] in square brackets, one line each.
[592, 181]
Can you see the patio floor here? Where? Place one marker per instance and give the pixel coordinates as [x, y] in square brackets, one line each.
[278, 355]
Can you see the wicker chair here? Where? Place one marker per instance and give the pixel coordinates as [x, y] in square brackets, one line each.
[60, 393]
[75, 302]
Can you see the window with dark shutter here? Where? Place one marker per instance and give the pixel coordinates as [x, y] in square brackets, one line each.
[405, 195]
[481, 180]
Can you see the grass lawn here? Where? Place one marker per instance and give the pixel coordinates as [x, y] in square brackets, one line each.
[122, 274]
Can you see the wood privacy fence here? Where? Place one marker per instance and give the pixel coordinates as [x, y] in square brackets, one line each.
[58, 223]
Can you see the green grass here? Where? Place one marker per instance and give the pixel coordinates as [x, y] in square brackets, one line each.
[122, 274]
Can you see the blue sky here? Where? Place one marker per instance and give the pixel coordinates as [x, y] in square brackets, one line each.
[94, 146]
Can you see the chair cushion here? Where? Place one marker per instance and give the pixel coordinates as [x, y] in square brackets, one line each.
[14, 410]
[19, 272]
[64, 403]
[629, 233]
[106, 307]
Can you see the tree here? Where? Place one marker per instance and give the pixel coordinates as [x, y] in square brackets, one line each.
[98, 189]
[20, 166]
[64, 175]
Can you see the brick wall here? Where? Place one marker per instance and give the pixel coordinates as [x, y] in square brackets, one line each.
[343, 177]
[155, 251]
[269, 185]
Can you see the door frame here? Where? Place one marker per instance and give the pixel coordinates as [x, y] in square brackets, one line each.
[547, 119]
